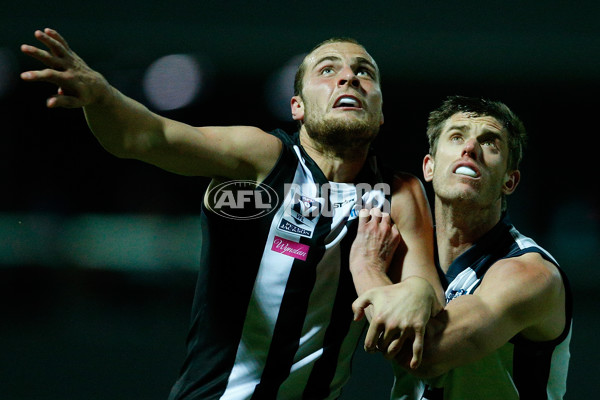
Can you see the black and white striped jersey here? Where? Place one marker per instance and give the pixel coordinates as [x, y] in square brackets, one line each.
[272, 316]
[521, 368]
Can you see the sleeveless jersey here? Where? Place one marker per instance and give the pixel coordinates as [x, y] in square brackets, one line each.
[272, 316]
[521, 368]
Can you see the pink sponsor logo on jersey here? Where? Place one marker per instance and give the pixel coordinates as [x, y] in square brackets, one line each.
[289, 248]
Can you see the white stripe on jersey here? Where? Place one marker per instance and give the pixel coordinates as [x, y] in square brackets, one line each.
[524, 242]
[269, 289]
[464, 283]
[266, 299]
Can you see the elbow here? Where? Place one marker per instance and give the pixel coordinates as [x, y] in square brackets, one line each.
[118, 150]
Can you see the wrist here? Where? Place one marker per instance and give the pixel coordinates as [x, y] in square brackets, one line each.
[367, 266]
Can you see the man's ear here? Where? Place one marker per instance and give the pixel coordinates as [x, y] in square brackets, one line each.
[297, 106]
[511, 181]
[428, 168]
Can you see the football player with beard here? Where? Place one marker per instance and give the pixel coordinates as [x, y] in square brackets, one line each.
[272, 313]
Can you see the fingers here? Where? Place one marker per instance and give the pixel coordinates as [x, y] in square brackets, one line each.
[417, 350]
[45, 75]
[359, 305]
[58, 49]
[395, 346]
[52, 41]
[57, 36]
[41, 55]
[376, 215]
[62, 101]
[363, 218]
[392, 342]
[366, 215]
[372, 337]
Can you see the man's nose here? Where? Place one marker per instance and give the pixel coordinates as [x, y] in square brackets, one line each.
[348, 77]
[471, 149]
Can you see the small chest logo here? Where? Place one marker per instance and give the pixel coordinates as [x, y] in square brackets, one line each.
[452, 294]
[289, 248]
[301, 215]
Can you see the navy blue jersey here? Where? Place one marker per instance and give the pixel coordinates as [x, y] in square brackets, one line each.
[520, 369]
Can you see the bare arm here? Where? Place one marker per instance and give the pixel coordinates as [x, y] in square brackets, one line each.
[412, 215]
[523, 295]
[128, 129]
[419, 292]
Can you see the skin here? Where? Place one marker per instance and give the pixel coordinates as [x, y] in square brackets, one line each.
[518, 296]
[333, 71]
[128, 129]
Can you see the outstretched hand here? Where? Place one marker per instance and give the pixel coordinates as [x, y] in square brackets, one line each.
[78, 84]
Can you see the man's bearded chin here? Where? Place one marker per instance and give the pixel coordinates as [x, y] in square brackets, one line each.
[342, 137]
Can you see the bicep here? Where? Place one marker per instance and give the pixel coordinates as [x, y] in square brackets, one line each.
[236, 152]
[514, 295]
[465, 331]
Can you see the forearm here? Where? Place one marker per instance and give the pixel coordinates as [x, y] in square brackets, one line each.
[366, 278]
[123, 126]
[428, 273]
[460, 334]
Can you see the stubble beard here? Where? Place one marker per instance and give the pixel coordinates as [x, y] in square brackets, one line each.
[467, 201]
[342, 137]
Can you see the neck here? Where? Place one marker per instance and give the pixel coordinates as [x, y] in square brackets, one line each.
[458, 227]
[337, 166]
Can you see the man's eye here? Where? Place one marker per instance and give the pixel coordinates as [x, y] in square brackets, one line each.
[326, 71]
[364, 72]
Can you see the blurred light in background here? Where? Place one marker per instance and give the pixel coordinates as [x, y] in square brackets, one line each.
[8, 72]
[174, 81]
[280, 89]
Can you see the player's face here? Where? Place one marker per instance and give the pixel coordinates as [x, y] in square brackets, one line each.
[471, 160]
[340, 87]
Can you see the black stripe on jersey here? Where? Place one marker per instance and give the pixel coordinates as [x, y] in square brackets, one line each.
[531, 370]
[294, 305]
[532, 360]
[231, 254]
[485, 252]
[223, 291]
[318, 385]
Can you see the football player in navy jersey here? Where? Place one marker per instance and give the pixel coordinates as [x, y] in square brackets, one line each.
[505, 330]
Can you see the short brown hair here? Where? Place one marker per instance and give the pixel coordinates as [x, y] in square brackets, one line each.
[299, 78]
[517, 136]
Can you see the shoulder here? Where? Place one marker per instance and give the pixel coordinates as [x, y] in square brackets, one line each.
[408, 197]
[529, 269]
[407, 187]
[244, 152]
[531, 289]
[405, 181]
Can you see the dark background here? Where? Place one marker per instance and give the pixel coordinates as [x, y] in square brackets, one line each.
[97, 254]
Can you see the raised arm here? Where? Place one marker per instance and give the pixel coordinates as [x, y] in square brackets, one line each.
[419, 292]
[128, 129]
[523, 295]
[518, 296]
